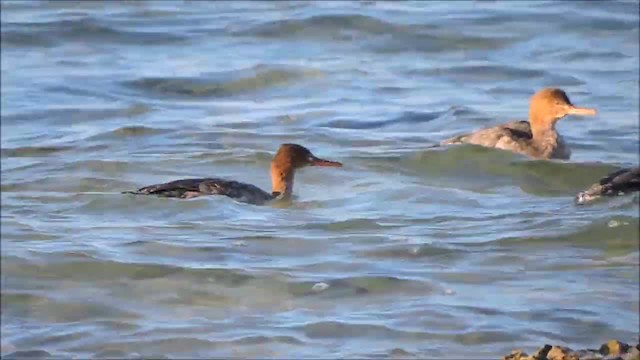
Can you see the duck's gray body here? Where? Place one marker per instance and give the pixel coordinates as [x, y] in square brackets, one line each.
[516, 136]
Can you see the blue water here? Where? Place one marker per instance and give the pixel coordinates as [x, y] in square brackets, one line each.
[406, 251]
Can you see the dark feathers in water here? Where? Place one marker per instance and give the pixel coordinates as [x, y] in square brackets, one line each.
[621, 182]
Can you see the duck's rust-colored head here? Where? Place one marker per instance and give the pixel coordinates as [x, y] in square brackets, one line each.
[297, 156]
[289, 158]
[549, 105]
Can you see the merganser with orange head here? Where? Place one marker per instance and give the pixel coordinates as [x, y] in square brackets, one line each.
[288, 159]
[537, 137]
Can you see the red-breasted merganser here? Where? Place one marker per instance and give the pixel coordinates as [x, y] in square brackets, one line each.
[537, 137]
[287, 160]
[620, 182]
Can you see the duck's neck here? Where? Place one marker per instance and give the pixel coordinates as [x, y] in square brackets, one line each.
[543, 132]
[282, 180]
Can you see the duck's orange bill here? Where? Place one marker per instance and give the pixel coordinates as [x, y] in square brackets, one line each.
[574, 110]
[322, 162]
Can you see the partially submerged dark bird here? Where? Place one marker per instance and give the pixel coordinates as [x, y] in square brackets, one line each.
[537, 137]
[620, 182]
[287, 160]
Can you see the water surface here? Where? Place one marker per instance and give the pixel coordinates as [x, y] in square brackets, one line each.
[407, 251]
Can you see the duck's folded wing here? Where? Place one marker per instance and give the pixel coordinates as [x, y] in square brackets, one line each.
[619, 182]
[188, 188]
[623, 180]
[181, 188]
[491, 136]
[523, 127]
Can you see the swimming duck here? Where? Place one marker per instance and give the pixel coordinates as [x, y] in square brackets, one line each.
[287, 160]
[537, 137]
[619, 182]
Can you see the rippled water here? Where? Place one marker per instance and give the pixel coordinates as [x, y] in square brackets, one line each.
[406, 251]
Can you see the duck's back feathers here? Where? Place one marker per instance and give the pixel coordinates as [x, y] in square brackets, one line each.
[490, 137]
[189, 188]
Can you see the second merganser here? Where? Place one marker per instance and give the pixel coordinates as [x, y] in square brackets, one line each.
[619, 182]
[537, 137]
[287, 160]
